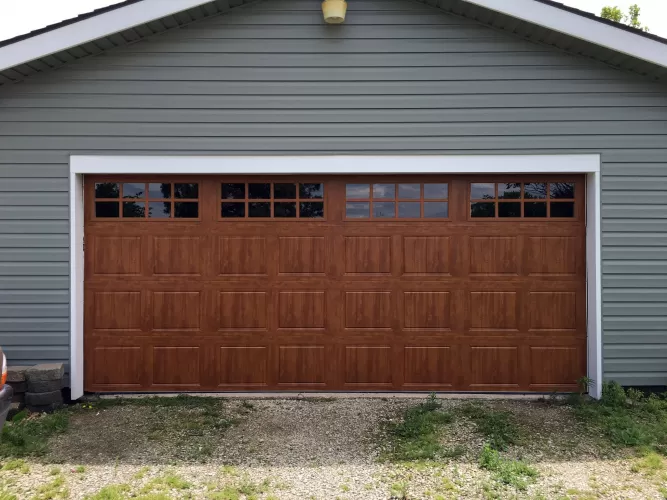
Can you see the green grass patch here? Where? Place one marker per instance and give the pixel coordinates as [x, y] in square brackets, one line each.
[113, 492]
[54, 490]
[242, 489]
[627, 418]
[18, 464]
[515, 473]
[167, 482]
[27, 435]
[650, 464]
[498, 427]
[415, 437]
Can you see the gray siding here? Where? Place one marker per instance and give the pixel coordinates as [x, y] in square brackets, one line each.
[398, 77]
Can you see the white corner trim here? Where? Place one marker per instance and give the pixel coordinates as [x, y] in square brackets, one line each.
[443, 164]
[90, 29]
[76, 283]
[423, 164]
[594, 282]
[580, 27]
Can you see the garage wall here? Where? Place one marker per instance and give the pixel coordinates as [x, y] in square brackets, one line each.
[398, 77]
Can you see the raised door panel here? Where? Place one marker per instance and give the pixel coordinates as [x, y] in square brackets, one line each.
[494, 311]
[117, 311]
[176, 366]
[242, 256]
[556, 366]
[302, 365]
[551, 255]
[118, 366]
[494, 366]
[429, 366]
[368, 365]
[427, 310]
[242, 311]
[367, 255]
[177, 255]
[243, 366]
[117, 256]
[302, 255]
[552, 310]
[368, 310]
[176, 310]
[302, 310]
[427, 255]
[494, 255]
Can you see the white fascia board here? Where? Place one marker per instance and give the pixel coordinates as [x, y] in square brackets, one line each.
[87, 30]
[580, 27]
[422, 164]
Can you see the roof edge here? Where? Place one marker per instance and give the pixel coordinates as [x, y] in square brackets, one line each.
[555, 18]
[114, 19]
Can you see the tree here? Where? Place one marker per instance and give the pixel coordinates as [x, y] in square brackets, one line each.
[631, 18]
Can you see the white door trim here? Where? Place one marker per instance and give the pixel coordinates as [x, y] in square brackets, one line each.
[341, 164]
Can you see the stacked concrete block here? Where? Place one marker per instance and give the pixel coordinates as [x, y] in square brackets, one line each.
[16, 379]
[44, 387]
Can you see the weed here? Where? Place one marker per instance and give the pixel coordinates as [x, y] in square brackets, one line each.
[113, 492]
[28, 435]
[141, 473]
[344, 488]
[247, 405]
[51, 491]
[18, 465]
[650, 464]
[169, 481]
[627, 419]
[79, 469]
[516, 473]
[497, 426]
[399, 491]
[416, 436]
[55, 471]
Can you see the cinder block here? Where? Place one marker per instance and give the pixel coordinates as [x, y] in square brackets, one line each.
[43, 398]
[16, 373]
[44, 385]
[50, 371]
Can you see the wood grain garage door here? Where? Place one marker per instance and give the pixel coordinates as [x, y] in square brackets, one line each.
[333, 283]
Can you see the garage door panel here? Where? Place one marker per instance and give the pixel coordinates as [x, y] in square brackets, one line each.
[291, 303]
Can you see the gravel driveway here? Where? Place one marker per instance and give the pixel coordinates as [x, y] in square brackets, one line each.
[310, 448]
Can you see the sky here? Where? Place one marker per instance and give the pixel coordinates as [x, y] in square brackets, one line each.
[21, 16]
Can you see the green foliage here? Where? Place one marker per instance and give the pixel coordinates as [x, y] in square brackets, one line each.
[627, 419]
[113, 492]
[649, 465]
[28, 436]
[18, 464]
[52, 491]
[631, 18]
[399, 491]
[497, 426]
[516, 473]
[416, 436]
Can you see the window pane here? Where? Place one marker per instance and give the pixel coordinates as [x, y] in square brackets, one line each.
[233, 191]
[384, 191]
[483, 209]
[562, 209]
[186, 210]
[308, 191]
[285, 192]
[159, 209]
[509, 209]
[134, 209]
[107, 190]
[534, 209]
[482, 191]
[311, 210]
[233, 210]
[409, 191]
[357, 191]
[186, 191]
[107, 209]
[259, 209]
[384, 210]
[357, 210]
[134, 190]
[159, 190]
[285, 209]
[561, 190]
[409, 210]
[436, 209]
[259, 191]
[535, 190]
[509, 190]
[436, 191]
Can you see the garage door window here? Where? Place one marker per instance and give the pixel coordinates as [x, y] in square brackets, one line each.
[146, 200]
[267, 200]
[397, 201]
[511, 200]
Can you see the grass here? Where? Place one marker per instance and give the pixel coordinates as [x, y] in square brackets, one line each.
[242, 489]
[27, 434]
[113, 492]
[649, 464]
[496, 426]
[169, 481]
[16, 465]
[627, 418]
[54, 490]
[416, 436]
[516, 473]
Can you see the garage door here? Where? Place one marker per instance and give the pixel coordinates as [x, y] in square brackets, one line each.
[333, 283]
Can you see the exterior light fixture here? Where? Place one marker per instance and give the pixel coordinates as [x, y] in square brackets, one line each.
[334, 11]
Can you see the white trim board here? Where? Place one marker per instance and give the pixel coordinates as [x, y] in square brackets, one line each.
[496, 164]
[132, 15]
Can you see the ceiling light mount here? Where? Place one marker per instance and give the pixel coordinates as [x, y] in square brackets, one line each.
[334, 11]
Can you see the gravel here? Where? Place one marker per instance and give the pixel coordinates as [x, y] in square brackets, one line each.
[319, 448]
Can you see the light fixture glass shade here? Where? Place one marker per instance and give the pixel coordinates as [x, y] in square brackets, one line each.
[334, 11]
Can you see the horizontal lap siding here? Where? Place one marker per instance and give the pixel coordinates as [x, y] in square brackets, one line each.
[397, 77]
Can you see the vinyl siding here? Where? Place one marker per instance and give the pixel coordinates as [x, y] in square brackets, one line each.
[398, 77]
